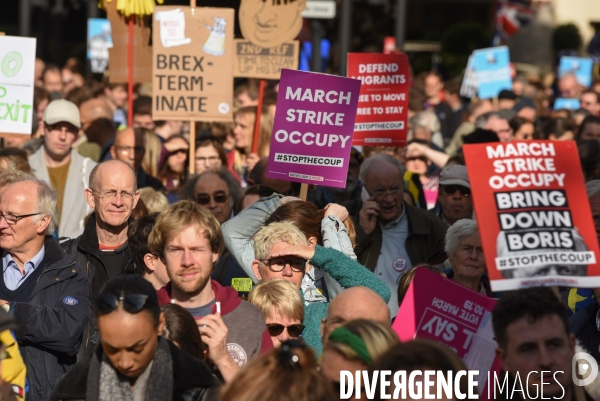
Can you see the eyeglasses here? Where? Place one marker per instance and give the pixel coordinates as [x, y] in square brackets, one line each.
[132, 303]
[380, 193]
[451, 189]
[294, 330]
[14, 219]
[124, 150]
[127, 196]
[219, 197]
[178, 151]
[278, 264]
[207, 160]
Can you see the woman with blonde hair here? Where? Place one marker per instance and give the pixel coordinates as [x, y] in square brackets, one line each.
[354, 346]
[153, 154]
[281, 305]
[241, 159]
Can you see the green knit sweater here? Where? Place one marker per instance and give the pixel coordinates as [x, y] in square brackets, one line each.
[348, 273]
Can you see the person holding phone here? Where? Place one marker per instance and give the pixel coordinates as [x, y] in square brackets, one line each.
[391, 235]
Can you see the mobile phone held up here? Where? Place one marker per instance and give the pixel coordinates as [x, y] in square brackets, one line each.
[364, 195]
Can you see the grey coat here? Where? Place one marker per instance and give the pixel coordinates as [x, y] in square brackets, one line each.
[74, 207]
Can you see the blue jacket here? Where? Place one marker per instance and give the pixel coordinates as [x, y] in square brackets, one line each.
[51, 323]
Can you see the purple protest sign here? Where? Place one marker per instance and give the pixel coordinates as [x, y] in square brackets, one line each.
[314, 123]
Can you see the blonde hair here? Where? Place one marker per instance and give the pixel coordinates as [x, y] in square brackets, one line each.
[153, 147]
[178, 217]
[278, 296]
[281, 231]
[378, 338]
[155, 201]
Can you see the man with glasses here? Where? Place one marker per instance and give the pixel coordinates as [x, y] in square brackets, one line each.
[44, 289]
[188, 239]
[62, 167]
[454, 195]
[103, 249]
[497, 122]
[129, 148]
[391, 235]
[217, 191]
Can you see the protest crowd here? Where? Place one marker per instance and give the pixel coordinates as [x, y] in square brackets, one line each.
[132, 272]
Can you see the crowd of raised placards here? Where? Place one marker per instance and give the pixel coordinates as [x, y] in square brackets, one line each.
[127, 278]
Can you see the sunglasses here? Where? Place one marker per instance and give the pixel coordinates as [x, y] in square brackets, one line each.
[451, 189]
[204, 199]
[294, 330]
[132, 303]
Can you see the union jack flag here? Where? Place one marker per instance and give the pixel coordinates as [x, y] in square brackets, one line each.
[510, 17]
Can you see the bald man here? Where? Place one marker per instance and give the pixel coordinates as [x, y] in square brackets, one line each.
[103, 248]
[129, 148]
[351, 304]
[94, 109]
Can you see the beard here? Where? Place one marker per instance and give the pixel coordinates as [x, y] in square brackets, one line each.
[190, 286]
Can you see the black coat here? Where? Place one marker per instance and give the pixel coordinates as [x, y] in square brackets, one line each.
[51, 322]
[192, 379]
[85, 249]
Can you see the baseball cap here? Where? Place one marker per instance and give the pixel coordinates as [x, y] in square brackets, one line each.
[455, 175]
[61, 110]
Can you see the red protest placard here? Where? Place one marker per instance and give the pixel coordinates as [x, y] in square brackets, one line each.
[437, 308]
[383, 103]
[533, 214]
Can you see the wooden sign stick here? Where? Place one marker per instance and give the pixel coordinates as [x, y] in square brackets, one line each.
[192, 155]
[261, 93]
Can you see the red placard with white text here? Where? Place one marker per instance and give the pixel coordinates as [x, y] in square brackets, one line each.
[533, 214]
[383, 103]
[442, 310]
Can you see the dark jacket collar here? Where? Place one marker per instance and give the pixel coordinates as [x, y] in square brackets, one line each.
[88, 241]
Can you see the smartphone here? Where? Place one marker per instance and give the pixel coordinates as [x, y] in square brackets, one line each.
[364, 195]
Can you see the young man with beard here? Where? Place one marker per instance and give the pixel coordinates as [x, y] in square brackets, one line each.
[188, 239]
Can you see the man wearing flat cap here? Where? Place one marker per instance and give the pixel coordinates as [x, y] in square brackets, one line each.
[454, 195]
[62, 167]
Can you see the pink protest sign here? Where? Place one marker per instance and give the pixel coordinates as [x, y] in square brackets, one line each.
[439, 309]
[312, 133]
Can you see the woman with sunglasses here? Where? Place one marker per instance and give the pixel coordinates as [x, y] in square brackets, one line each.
[329, 227]
[134, 362]
[173, 171]
[281, 305]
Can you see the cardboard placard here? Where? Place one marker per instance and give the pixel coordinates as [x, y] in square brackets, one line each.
[252, 61]
[580, 67]
[98, 42]
[192, 63]
[439, 309]
[17, 65]
[269, 23]
[533, 213]
[383, 103]
[142, 49]
[312, 133]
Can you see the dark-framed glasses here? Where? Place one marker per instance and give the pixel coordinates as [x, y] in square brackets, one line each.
[219, 197]
[278, 264]
[13, 219]
[294, 330]
[132, 303]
